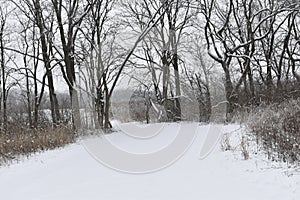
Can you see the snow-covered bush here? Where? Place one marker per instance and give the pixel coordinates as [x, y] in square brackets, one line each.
[225, 143]
[277, 130]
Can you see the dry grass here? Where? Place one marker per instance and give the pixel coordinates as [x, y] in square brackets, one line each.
[277, 130]
[24, 143]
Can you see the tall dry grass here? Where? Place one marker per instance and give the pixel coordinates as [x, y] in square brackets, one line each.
[277, 130]
[14, 145]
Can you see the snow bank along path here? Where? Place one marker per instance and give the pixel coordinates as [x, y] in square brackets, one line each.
[71, 173]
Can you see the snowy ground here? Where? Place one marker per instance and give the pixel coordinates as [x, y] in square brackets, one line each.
[71, 173]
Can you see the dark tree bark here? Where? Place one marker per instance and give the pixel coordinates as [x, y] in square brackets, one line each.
[3, 68]
[67, 39]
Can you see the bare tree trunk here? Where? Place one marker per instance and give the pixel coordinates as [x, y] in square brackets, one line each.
[166, 72]
[107, 124]
[4, 91]
[53, 99]
[75, 109]
[28, 98]
[67, 38]
[178, 90]
[99, 107]
[231, 96]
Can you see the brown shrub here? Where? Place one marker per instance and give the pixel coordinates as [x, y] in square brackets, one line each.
[23, 143]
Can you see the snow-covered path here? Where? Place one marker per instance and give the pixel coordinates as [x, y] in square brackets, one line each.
[71, 173]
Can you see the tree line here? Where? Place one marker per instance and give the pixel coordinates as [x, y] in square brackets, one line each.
[170, 48]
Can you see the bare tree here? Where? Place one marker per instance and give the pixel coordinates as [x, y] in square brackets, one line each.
[8, 80]
[104, 58]
[31, 46]
[111, 63]
[42, 17]
[164, 42]
[232, 31]
[199, 76]
[47, 45]
[3, 19]
[69, 17]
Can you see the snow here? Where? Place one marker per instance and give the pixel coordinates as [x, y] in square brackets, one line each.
[72, 173]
